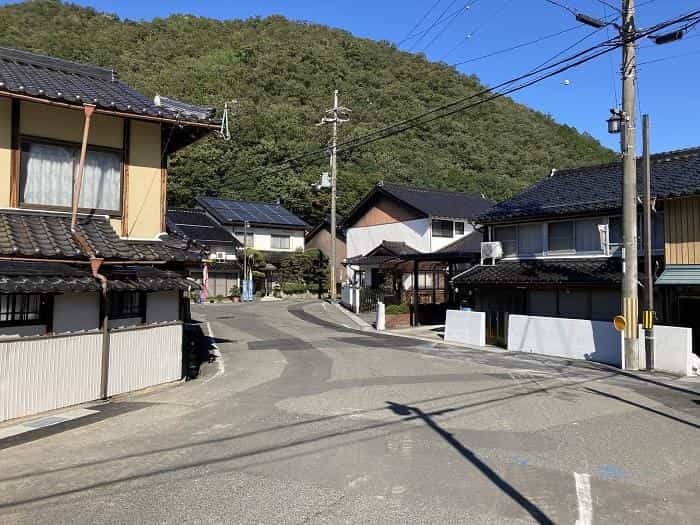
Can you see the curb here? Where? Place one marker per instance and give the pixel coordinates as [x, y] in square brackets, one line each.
[355, 318]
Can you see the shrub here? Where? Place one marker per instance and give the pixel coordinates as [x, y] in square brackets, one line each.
[293, 288]
[235, 291]
[395, 309]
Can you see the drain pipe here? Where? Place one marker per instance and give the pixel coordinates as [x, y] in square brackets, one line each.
[95, 262]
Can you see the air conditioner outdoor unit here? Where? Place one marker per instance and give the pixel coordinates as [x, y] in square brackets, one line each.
[491, 250]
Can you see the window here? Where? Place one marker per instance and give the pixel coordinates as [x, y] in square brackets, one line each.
[47, 176]
[279, 242]
[657, 232]
[530, 239]
[508, 238]
[443, 228]
[561, 237]
[21, 309]
[127, 304]
[249, 242]
[459, 228]
[588, 237]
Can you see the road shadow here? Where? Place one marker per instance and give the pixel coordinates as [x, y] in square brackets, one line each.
[507, 488]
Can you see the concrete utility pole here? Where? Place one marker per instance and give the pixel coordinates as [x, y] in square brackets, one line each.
[629, 188]
[338, 115]
[649, 310]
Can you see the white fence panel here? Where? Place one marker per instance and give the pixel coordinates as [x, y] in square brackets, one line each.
[573, 338]
[467, 328]
[673, 350]
[45, 373]
[143, 357]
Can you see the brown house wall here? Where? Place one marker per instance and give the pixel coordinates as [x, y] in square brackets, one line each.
[386, 211]
[322, 241]
[682, 230]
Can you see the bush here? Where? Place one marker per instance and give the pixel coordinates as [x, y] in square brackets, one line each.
[395, 309]
[293, 288]
[235, 291]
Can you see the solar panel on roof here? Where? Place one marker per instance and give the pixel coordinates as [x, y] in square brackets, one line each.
[241, 211]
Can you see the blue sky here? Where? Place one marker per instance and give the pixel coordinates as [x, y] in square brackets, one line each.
[667, 88]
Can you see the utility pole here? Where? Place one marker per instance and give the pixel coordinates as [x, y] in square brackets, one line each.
[338, 115]
[648, 320]
[629, 188]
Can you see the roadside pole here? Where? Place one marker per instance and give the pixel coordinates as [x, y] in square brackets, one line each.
[648, 318]
[629, 189]
[338, 116]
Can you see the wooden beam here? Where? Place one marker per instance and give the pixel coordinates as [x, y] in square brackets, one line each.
[163, 177]
[15, 154]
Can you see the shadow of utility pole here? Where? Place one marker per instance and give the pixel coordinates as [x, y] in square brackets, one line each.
[531, 508]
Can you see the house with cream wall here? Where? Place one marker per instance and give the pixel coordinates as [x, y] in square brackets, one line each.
[91, 288]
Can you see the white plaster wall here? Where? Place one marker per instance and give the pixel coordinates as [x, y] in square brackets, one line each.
[76, 312]
[673, 350]
[467, 328]
[415, 233]
[437, 243]
[573, 338]
[162, 307]
[262, 238]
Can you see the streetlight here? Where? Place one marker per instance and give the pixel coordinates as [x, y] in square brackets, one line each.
[615, 122]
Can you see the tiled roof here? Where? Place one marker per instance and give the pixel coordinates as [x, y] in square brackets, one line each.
[44, 277]
[384, 252]
[198, 226]
[52, 277]
[438, 203]
[46, 235]
[256, 213]
[467, 245]
[41, 76]
[428, 203]
[599, 188]
[545, 271]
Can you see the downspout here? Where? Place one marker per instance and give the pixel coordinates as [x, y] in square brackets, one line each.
[95, 262]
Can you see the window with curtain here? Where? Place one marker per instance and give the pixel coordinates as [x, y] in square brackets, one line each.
[588, 236]
[47, 177]
[507, 235]
[530, 239]
[561, 237]
[126, 304]
[459, 228]
[442, 228]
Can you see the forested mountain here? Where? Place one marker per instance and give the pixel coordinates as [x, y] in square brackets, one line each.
[282, 74]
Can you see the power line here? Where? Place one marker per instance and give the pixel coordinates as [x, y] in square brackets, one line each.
[519, 46]
[446, 26]
[420, 21]
[489, 18]
[454, 107]
[437, 21]
[558, 4]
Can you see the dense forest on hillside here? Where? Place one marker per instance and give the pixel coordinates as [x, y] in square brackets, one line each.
[282, 74]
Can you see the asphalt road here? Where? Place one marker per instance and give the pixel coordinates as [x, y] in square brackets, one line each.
[303, 421]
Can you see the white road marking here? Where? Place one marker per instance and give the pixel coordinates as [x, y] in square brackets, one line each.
[585, 502]
[221, 368]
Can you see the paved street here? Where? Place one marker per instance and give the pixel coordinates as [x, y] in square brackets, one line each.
[302, 421]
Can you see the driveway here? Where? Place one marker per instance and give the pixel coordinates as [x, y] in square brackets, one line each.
[306, 420]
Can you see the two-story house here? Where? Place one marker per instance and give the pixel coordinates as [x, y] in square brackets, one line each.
[222, 248]
[267, 227]
[90, 286]
[320, 238]
[394, 222]
[560, 243]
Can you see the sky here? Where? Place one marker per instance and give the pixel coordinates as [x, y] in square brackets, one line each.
[581, 97]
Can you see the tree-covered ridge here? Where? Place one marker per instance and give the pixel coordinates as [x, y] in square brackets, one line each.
[282, 74]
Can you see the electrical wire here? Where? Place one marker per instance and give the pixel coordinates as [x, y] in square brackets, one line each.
[410, 35]
[519, 46]
[558, 4]
[455, 107]
[489, 18]
[437, 21]
[464, 9]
